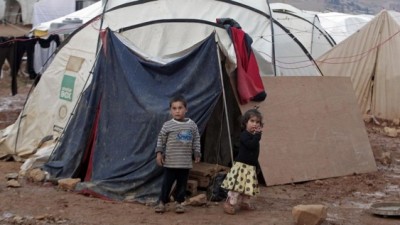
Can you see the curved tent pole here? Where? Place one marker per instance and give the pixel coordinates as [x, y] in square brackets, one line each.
[101, 25]
[272, 37]
[312, 36]
[309, 56]
[326, 34]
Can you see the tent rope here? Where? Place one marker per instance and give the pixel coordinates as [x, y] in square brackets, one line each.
[224, 100]
[226, 117]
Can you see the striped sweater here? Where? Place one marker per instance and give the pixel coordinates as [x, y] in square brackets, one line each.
[177, 141]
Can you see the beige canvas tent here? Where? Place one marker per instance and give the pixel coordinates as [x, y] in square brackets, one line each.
[370, 57]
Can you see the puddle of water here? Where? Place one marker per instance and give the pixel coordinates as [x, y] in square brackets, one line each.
[392, 188]
[11, 103]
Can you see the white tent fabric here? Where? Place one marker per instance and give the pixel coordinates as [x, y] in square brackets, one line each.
[305, 26]
[26, 10]
[11, 8]
[370, 58]
[341, 25]
[160, 28]
[306, 29]
[2, 9]
[84, 15]
[35, 11]
[46, 10]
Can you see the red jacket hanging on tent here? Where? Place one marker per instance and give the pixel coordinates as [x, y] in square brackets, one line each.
[249, 83]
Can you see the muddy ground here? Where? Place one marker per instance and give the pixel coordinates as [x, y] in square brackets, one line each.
[347, 198]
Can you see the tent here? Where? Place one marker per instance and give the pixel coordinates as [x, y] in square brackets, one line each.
[2, 9]
[341, 25]
[36, 11]
[369, 58]
[110, 141]
[156, 30]
[305, 26]
[67, 24]
[16, 11]
[57, 8]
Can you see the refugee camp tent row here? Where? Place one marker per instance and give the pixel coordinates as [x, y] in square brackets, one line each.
[18, 141]
[369, 57]
[156, 30]
[75, 93]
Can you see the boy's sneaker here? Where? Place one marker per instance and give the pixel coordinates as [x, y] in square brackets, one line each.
[179, 208]
[160, 208]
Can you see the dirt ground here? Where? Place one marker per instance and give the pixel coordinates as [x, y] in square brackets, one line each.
[347, 198]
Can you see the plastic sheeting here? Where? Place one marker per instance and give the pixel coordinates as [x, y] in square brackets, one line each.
[110, 141]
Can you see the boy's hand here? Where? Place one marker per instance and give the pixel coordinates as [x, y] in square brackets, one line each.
[197, 159]
[160, 159]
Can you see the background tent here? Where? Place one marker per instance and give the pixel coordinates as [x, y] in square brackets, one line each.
[341, 25]
[370, 58]
[46, 10]
[67, 24]
[2, 9]
[305, 26]
[18, 11]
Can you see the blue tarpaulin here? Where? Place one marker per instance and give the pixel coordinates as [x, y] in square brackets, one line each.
[110, 140]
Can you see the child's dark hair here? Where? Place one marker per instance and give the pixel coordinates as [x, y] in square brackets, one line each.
[250, 113]
[177, 98]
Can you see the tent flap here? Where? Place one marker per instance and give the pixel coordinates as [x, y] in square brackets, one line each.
[131, 98]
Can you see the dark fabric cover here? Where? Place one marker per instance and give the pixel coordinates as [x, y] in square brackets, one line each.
[111, 139]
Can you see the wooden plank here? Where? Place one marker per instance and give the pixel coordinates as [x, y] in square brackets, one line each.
[207, 169]
[313, 130]
[203, 181]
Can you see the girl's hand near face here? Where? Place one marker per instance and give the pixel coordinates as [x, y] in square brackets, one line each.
[258, 129]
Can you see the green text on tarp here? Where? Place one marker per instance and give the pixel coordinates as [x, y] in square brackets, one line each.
[67, 88]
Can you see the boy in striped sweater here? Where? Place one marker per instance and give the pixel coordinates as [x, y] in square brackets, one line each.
[178, 139]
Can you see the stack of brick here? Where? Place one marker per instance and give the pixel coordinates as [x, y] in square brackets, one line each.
[203, 173]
